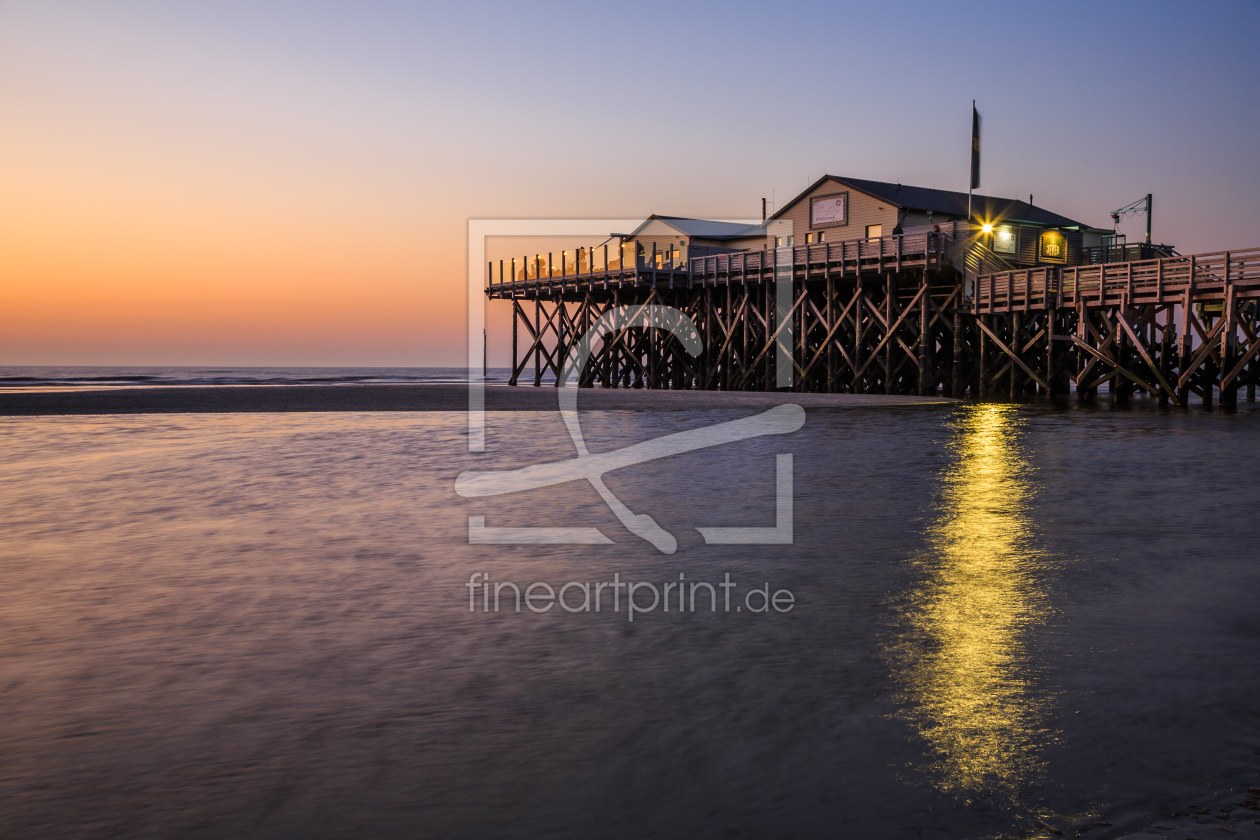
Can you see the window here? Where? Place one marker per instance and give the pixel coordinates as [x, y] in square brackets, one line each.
[781, 241]
[812, 238]
[874, 231]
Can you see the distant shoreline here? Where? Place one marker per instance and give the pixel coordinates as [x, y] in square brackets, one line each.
[223, 399]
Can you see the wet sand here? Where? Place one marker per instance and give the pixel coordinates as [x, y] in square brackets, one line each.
[213, 399]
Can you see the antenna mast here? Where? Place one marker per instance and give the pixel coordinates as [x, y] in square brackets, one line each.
[1142, 205]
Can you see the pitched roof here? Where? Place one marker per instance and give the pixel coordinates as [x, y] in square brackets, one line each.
[705, 228]
[947, 202]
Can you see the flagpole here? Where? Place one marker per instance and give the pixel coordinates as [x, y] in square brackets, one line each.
[972, 177]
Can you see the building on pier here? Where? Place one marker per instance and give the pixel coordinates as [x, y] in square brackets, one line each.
[835, 209]
[843, 209]
[675, 239]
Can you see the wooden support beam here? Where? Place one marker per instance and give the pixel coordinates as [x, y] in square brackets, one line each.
[955, 378]
[858, 298]
[1115, 366]
[537, 348]
[827, 339]
[981, 333]
[1229, 343]
[1146, 356]
[1002, 346]
[1016, 385]
[890, 293]
[924, 358]
[1207, 349]
[891, 333]
[517, 315]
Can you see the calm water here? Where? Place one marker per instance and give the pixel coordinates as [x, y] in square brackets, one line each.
[257, 625]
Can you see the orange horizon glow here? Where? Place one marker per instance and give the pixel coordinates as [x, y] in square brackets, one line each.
[240, 185]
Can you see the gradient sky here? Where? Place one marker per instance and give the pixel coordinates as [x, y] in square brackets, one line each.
[289, 183]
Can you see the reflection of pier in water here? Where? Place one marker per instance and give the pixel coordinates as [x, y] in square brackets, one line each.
[963, 664]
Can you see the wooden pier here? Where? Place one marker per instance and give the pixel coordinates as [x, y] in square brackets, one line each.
[921, 313]
[1172, 327]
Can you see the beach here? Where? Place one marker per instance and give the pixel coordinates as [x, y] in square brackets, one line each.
[194, 399]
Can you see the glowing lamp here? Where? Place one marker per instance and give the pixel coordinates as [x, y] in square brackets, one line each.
[987, 228]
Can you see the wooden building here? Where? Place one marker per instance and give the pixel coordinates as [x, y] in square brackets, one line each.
[673, 239]
[835, 209]
[840, 209]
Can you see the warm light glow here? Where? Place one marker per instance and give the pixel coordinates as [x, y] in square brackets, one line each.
[987, 228]
[964, 661]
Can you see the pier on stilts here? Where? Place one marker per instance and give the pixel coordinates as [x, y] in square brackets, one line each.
[930, 311]
[1173, 327]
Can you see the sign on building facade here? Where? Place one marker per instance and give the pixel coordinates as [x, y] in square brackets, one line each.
[1005, 241]
[827, 211]
[1053, 247]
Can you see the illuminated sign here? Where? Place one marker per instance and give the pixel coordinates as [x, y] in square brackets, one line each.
[1053, 247]
[829, 210]
[1004, 241]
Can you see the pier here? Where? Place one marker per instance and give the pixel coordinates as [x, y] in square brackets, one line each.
[1171, 326]
[1002, 309]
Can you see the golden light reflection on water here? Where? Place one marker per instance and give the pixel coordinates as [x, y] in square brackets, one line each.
[964, 663]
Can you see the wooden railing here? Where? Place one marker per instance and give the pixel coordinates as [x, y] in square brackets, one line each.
[589, 269]
[1021, 290]
[1205, 277]
[820, 261]
[1127, 252]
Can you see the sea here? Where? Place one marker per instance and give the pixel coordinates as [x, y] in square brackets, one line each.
[968, 619]
[48, 377]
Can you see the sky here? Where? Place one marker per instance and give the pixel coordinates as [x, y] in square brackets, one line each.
[253, 183]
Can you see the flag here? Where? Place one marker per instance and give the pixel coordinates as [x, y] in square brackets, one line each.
[975, 146]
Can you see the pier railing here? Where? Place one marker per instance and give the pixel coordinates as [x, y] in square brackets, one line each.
[822, 260]
[612, 266]
[1126, 252]
[1206, 278]
[531, 269]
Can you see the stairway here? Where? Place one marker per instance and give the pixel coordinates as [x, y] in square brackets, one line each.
[971, 257]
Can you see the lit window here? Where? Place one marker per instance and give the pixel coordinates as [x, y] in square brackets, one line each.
[874, 231]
